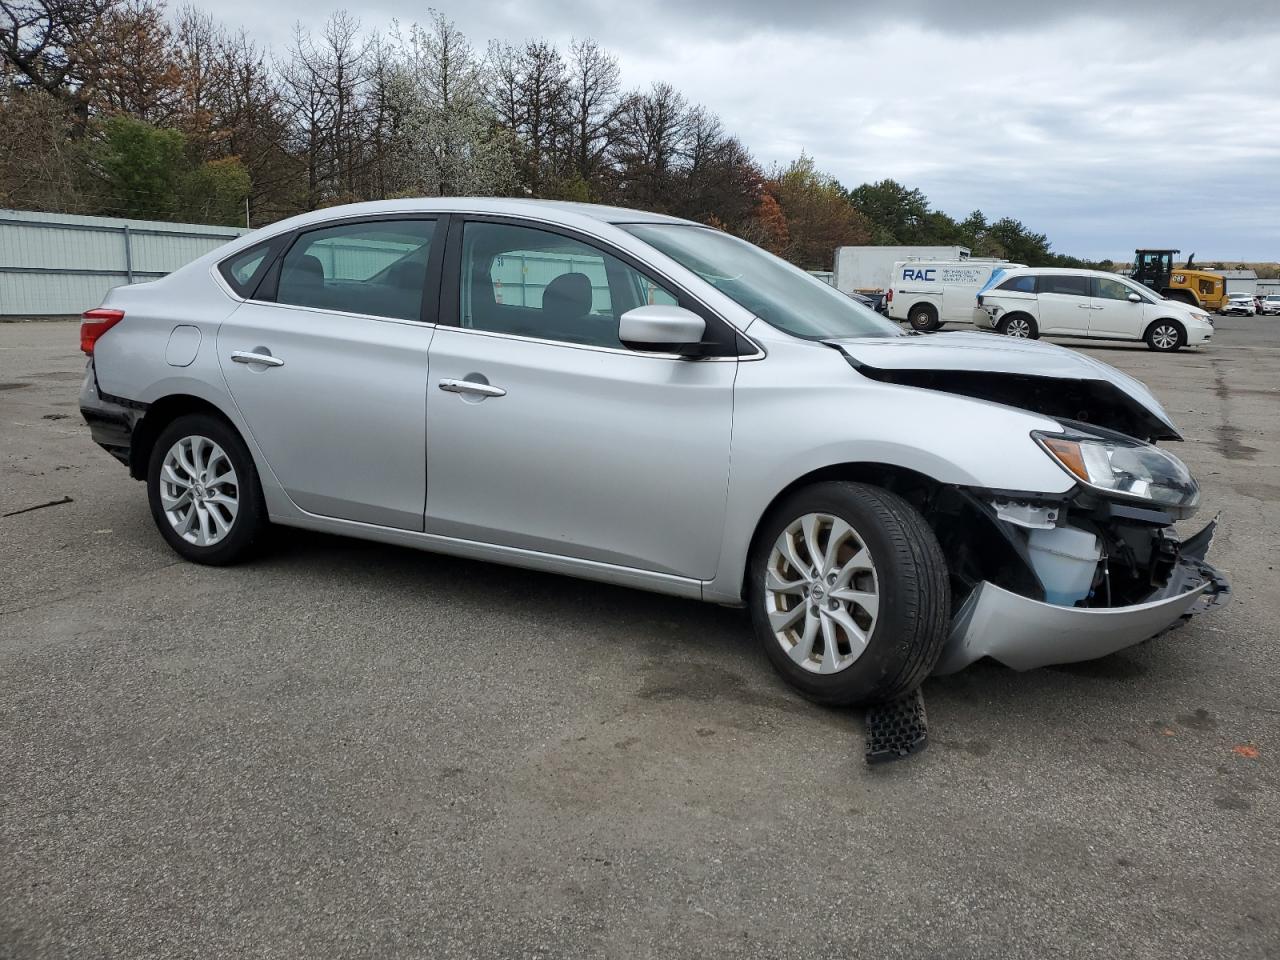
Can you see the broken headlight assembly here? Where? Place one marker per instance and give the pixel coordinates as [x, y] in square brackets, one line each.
[1120, 466]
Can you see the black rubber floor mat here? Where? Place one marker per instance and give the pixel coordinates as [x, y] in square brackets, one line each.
[897, 729]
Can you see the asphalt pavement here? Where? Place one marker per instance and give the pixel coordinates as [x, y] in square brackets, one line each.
[352, 750]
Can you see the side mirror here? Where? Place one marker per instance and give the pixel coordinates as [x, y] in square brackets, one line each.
[661, 328]
[1134, 298]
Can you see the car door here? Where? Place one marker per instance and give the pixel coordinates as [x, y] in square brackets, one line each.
[545, 433]
[1113, 314]
[1063, 302]
[328, 364]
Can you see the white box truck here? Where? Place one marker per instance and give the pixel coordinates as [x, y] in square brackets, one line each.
[929, 293]
[868, 269]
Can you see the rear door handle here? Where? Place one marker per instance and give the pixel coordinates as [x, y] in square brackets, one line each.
[266, 359]
[472, 387]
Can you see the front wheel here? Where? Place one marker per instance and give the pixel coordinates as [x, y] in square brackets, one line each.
[1165, 336]
[849, 594]
[204, 491]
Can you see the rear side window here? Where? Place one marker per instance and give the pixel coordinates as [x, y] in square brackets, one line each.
[377, 268]
[1072, 286]
[243, 271]
[1025, 284]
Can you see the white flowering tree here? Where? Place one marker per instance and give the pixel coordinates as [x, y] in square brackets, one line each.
[445, 141]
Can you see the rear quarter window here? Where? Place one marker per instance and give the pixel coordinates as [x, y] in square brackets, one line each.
[244, 270]
[1024, 284]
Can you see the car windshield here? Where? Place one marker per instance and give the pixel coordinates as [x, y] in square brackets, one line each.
[782, 295]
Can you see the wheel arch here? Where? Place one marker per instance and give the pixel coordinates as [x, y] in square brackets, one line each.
[974, 543]
[1018, 312]
[909, 484]
[160, 413]
[1159, 320]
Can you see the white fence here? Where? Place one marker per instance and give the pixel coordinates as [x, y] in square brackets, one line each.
[54, 264]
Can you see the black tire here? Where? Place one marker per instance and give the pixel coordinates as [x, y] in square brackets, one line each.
[250, 519]
[1013, 320]
[1157, 336]
[923, 317]
[1182, 296]
[910, 629]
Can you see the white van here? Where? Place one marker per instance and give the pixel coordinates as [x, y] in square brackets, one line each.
[929, 293]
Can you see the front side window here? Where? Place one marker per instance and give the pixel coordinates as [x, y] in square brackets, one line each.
[1069, 284]
[782, 295]
[1109, 289]
[377, 268]
[535, 283]
[1023, 284]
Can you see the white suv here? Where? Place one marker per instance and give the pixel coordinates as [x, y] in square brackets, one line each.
[1045, 301]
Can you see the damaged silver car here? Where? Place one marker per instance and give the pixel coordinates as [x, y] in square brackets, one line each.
[645, 401]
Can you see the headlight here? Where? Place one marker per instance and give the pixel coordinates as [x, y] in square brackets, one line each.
[1125, 467]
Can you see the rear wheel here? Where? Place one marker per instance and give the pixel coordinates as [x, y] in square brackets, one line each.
[204, 491]
[1020, 327]
[923, 317]
[1165, 336]
[849, 594]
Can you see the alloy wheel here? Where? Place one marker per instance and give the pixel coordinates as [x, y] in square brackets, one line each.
[1165, 337]
[199, 491]
[1017, 327]
[821, 593]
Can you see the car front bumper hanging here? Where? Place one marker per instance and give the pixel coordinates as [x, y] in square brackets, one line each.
[1024, 634]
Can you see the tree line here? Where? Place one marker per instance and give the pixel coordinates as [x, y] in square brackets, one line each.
[124, 108]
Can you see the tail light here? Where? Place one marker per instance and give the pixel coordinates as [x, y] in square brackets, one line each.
[888, 297]
[94, 323]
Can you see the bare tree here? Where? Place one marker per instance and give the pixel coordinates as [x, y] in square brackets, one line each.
[650, 135]
[130, 68]
[44, 43]
[529, 91]
[592, 108]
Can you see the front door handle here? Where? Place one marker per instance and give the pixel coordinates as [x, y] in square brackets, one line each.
[266, 359]
[1084, 306]
[472, 387]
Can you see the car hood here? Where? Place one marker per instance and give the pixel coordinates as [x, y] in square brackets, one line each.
[1035, 376]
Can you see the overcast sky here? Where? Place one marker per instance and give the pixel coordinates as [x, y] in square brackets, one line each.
[1106, 125]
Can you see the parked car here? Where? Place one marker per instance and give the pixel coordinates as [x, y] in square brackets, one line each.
[876, 301]
[1031, 302]
[642, 400]
[863, 299]
[1240, 305]
[1271, 303]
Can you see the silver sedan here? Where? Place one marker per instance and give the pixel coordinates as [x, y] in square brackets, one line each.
[646, 401]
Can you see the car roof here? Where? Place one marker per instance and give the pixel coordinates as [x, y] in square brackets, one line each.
[563, 212]
[1050, 271]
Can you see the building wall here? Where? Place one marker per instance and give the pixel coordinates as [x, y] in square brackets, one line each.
[53, 264]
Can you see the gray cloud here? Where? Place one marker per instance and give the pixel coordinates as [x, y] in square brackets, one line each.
[1103, 125]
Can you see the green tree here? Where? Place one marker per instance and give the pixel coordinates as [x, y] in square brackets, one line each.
[896, 214]
[215, 192]
[141, 169]
[818, 215]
